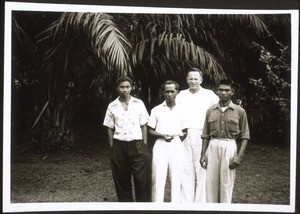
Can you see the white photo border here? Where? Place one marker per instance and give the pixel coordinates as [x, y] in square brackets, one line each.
[93, 206]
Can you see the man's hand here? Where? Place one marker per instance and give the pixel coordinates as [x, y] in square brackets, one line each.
[182, 137]
[235, 162]
[168, 138]
[204, 161]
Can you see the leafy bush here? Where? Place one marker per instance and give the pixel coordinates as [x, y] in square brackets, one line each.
[270, 102]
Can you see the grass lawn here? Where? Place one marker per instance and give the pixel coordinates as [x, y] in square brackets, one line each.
[84, 175]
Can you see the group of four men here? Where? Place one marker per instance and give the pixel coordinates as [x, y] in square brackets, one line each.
[196, 142]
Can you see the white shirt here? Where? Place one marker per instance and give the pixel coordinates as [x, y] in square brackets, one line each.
[127, 124]
[195, 106]
[167, 121]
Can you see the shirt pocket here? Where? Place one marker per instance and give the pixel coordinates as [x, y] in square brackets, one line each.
[213, 125]
[233, 125]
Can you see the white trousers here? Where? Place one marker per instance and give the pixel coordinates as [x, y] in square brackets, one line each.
[194, 175]
[167, 157]
[220, 179]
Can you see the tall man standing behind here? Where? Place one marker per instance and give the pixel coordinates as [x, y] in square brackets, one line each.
[126, 120]
[195, 101]
[225, 123]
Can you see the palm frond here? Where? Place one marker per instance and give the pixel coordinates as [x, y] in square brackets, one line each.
[250, 22]
[110, 43]
[22, 36]
[168, 47]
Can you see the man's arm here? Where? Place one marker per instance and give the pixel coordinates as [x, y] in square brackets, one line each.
[205, 141]
[236, 160]
[144, 133]
[245, 136]
[110, 133]
[184, 134]
[156, 134]
[203, 159]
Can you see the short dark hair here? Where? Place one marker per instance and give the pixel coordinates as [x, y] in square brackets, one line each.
[124, 79]
[226, 82]
[195, 70]
[169, 82]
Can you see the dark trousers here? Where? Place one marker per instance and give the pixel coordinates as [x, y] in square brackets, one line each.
[131, 159]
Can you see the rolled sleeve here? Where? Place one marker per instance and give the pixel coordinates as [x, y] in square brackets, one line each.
[144, 117]
[109, 119]
[205, 131]
[245, 133]
[152, 120]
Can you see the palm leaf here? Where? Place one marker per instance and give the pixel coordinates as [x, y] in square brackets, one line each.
[22, 36]
[176, 49]
[104, 36]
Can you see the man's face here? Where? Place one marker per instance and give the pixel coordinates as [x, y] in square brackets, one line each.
[124, 89]
[170, 92]
[194, 80]
[225, 92]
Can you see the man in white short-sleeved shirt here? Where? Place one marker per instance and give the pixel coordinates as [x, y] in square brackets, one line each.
[195, 101]
[166, 125]
[126, 121]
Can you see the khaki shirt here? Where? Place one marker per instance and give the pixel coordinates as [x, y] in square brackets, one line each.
[231, 124]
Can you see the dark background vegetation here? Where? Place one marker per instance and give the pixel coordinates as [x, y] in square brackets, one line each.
[63, 79]
[64, 67]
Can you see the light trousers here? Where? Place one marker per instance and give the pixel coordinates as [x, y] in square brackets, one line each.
[194, 176]
[167, 157]
[220, 179]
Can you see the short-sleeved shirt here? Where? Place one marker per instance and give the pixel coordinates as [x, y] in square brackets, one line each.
[167, 121]
[231, 123]
[126, 123]
[195, 106]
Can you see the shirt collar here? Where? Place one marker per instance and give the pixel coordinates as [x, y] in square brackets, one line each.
[200, 88]
[132, 99]
[231, 105]
[164, 104]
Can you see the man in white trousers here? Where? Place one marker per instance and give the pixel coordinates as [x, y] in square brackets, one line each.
[225, 123]
[195, 101]
[166, 125]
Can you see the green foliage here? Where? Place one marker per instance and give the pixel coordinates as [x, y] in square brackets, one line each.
[271, 98]
[101, 33]
[55, 71]
[58, 138]
[164, 47]
[74, 57]
[52, 140]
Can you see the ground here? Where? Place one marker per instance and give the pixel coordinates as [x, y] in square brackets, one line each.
[84, 175]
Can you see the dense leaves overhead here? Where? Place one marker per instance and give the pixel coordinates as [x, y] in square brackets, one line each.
[100, 31]
[74, 57]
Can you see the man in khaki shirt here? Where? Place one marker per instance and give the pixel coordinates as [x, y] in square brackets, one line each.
[225, 123]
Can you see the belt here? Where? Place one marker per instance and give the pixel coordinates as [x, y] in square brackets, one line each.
[227, 139]
[124, 141]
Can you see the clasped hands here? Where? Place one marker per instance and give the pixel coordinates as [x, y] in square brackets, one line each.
[169, 138]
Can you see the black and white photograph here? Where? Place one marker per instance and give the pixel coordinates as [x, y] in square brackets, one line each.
[122, 108]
